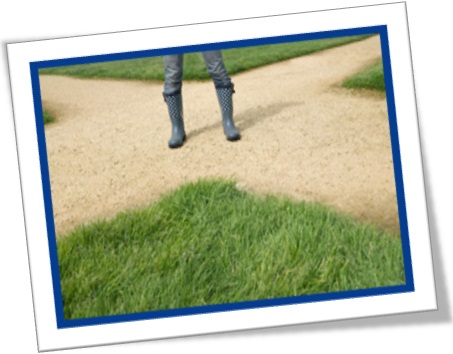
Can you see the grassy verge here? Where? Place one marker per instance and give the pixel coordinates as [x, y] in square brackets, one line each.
[370, 78]
[210, 243]
[48, 118]
[236, 61]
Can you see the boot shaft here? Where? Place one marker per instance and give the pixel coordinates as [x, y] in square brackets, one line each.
[175, 111]
[225, 97]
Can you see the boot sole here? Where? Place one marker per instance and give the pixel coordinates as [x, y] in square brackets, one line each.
[233, 138]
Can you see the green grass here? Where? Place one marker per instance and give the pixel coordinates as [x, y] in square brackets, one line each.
[210, 243]
[236, 60]
[48, 118]
[370, 78]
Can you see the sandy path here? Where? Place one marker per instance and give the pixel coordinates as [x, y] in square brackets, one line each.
[303, 136]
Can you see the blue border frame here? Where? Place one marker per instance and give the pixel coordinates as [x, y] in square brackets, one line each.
[408, 287]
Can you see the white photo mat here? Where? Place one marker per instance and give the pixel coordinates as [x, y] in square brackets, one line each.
[418, 294]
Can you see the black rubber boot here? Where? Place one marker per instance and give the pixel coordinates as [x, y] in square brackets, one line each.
[178, 134]
[225, 97]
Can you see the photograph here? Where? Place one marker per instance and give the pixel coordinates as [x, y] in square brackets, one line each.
[221, 176]
[244, 176]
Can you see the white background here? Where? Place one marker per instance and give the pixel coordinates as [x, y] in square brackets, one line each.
[428, 25]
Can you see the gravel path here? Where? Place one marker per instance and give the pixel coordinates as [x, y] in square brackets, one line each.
[302, 135]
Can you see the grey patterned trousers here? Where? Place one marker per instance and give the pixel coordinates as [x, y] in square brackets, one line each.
[174, 71]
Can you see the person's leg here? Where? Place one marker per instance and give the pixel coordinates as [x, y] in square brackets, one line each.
[224, 88]
[173, 65]
[216, 69]
[172, 95]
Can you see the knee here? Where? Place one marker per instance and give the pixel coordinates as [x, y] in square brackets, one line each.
[173, 82]
[220, 76]
[173, 75]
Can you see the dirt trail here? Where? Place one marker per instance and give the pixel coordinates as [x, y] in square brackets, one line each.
[302, 135]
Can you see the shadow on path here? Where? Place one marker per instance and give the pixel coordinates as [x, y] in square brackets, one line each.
[248, 118]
